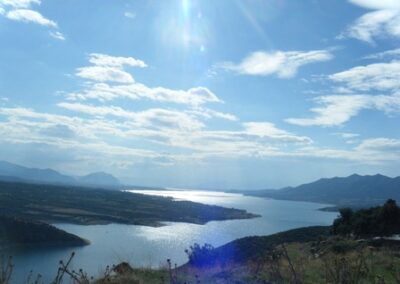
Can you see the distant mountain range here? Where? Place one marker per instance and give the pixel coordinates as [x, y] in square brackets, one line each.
[13, 172]
[354, 191]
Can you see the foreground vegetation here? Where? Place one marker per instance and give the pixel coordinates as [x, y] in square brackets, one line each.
[61, 204]
[325, 259]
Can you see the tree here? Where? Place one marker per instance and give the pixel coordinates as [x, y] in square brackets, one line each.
[377, 221]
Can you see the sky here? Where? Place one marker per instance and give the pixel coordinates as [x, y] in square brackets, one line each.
[227, 94]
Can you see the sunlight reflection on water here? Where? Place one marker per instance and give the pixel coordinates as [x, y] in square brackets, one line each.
[206, 197]
[148, 246]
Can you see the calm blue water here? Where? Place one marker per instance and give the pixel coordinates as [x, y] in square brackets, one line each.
[146, 246]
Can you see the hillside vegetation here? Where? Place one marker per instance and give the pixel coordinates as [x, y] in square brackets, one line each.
[66, 204]
[377, 221]
[18, 232]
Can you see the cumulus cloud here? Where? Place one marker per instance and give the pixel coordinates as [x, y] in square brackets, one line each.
[104, 74]
[284, 64]
[154, 118]
[172, 128]
[115, 61]
[105, 92]
[21, 11]
[108, 68]
[25, 15]
[87, 137]
[183, 129]
[383, 21]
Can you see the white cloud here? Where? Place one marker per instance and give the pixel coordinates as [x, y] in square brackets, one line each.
[154, 118]
[174, 129]
[384, 21]
[378, 150]
[104, 74]
[372, 151]
[381, 144]
[346, 135]
[284, 64]
[269, 130]
[182, 129]
[115, 61]
[26, 15]
[388, 53]
[375, 151]
[337, 109]
[19, 3]
[21, 11]
[109, 68]
[86, 137]
[57, 35]
[377, 76]
[377, 4]
[104, 92]
[209, 113]
[130, 15]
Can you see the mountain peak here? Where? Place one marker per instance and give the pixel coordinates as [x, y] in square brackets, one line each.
[355, 189]
[99, 178]
[354, 176]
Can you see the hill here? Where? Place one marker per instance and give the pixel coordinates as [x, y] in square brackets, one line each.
[19, 232]
[67, 204]
[13, 172]
[353, 191]
[99, 179]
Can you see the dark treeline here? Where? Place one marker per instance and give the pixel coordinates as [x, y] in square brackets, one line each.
[376, 221]
[15, 231]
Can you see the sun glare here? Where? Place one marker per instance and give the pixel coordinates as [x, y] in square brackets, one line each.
[185, 7]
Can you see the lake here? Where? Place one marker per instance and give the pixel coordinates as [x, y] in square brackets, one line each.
[146, 246]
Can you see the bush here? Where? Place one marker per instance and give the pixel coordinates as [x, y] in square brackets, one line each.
[378, 221]
[201, 255]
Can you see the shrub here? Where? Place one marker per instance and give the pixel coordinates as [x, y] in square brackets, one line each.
[201, 255]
